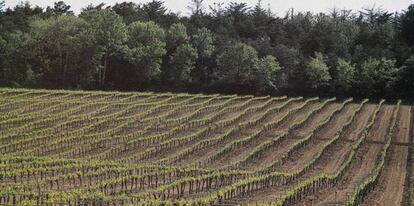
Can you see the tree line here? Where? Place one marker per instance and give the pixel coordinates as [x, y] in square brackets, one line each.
[221, 48]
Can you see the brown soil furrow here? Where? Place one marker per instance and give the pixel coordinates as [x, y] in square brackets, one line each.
[388, 109]
[362, 165]
[304, 155]
[270, 154]
[403, 132]
[307, 153]
[211, 150]
[277, 151]
[300, 115]
[390, 188]
[335, 155]
[354, 132]
[162, 128]
[172, 150]
[245, 150]
[311, 125]
[129, 130]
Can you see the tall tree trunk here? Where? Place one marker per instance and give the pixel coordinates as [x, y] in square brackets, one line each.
[104, 70]
[65, 68]
[62, 69]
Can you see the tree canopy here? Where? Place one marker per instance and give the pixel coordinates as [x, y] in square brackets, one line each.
[225, 48]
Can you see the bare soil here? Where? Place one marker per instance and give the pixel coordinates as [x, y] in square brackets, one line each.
[390, 189]
[200, 155]
[308, 152]
[302, 156]
[278, 150]
[362, 165]
[245, 150]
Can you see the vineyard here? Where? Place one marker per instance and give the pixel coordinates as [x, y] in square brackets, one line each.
[112, 148]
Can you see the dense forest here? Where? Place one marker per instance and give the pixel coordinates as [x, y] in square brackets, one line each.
[220, 48]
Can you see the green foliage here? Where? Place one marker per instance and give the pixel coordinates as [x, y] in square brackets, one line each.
[154, 10]
[290, 60]
[377, 76]
[145, 48]
[181, 56]
[267, 74]
[129, 11]
[106, 28]
[20, 16]
[31, 78]
[407, 25]
[406, 78]
[60, 8]
[376, 35]
[345, 77]
[182, 64]
[28, 203]
[57, 44]
[177, 35]
[237, 63]
[105, 35]
[14, 54]
[3, 47]
[317, 72]
[330, 35]
[203, 42]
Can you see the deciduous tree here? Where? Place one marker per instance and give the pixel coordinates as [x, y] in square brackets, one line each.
[377, 77]
[106, 34]
[58, 49]
[203, 42]
[317, 73]
[406, 78]
[345, 77]
[182, 64]
[268, 75]
[237, 63]
[145, 48]
[181, 56]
